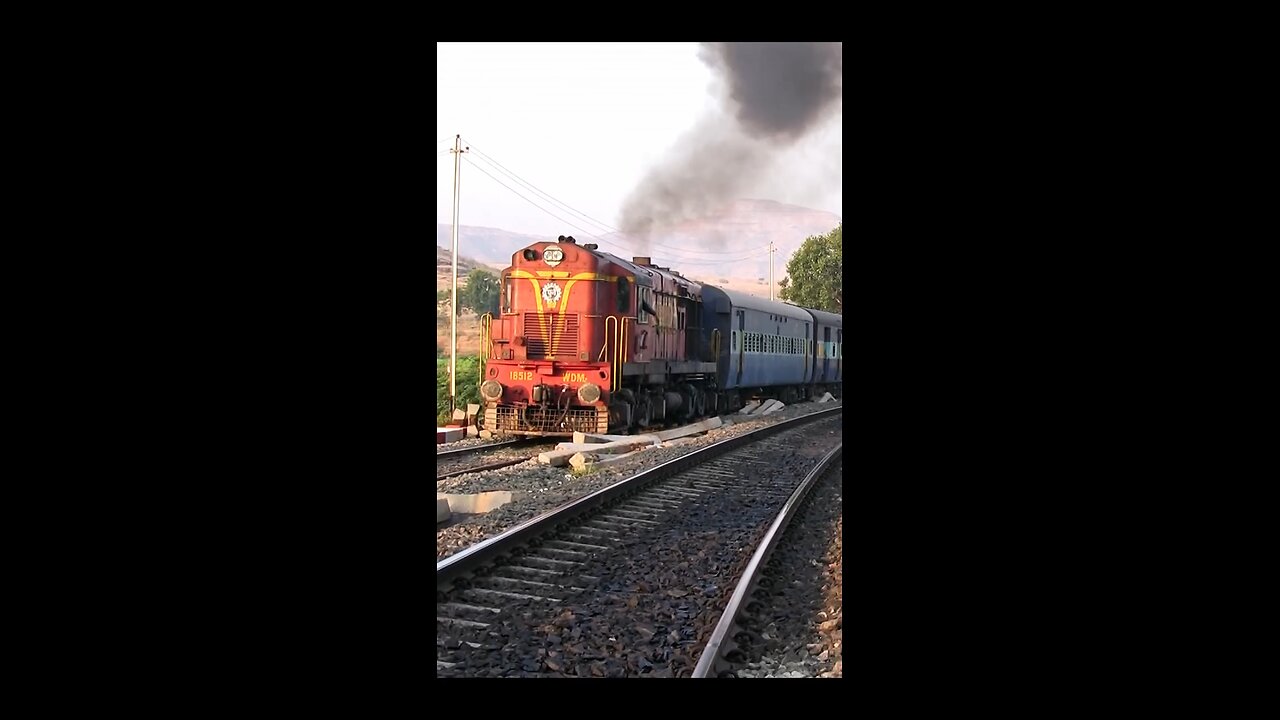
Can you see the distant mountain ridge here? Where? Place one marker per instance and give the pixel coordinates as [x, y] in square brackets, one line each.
[486, 245]
[444, 262]
[731, 243]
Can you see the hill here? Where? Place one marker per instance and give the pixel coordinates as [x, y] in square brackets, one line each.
[728, 247]
[492, 247]
[444, 262]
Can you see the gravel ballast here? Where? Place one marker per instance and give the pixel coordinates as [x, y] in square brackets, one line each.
[542, 487]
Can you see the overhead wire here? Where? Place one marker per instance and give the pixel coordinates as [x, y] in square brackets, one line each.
[681, 261]
[507, 171]
[731, 257]
[499, 167]
[522, 197]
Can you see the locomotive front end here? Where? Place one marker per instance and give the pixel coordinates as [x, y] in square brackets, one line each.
[546, 370]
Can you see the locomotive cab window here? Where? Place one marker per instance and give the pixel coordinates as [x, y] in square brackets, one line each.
[507, 292]
[642, 299]
[624, 295]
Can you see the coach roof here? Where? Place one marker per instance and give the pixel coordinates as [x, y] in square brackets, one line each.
[751, 302]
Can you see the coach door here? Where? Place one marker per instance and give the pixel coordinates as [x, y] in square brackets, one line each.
[826, 354]
[808, 359]
[839, 355]
[742, 346]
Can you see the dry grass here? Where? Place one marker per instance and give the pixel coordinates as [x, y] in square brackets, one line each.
[468, 322]
[468, 332]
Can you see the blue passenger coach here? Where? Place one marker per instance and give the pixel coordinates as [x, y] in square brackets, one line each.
[828, 353]
[762, 344]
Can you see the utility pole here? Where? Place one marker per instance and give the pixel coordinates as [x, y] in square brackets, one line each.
[772, 250]
[453, 303]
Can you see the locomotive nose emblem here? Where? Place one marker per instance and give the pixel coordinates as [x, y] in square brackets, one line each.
[551, 293]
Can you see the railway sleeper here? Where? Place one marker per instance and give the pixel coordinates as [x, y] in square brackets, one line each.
[558, 590]
[459, 623]
[587, 538]
[564, 554]
[626, 521]
[517, 572]
[468, 611]
[498, 595]
[638, 514]
[674, 493]
[657, 503]
[547, 563]
[531, 587]
[617, 528]
[587, 528]
[567, 545]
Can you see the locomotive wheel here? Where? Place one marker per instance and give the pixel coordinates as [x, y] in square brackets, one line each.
[626, 397]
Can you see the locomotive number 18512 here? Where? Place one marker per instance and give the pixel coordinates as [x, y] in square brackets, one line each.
[568, 377]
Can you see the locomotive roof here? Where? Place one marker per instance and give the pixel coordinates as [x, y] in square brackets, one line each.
[625, 264]
[648, 271]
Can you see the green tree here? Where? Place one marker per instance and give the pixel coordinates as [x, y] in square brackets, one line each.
[482, 292]
[814, 273]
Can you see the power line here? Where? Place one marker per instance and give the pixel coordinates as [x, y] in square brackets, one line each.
[508, 172]
[484, 156]
[522, 197]
[681, 261]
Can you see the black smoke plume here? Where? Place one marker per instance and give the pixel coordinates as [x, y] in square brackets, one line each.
[773, 95]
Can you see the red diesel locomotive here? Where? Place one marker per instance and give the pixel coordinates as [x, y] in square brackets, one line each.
[587, 341]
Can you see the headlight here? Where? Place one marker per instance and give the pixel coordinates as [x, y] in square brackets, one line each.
[491, 390]
[589, 393]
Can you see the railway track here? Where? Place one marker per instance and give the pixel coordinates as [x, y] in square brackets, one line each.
[628, 581]
[476, 458]
[452, 463]
[784, 617]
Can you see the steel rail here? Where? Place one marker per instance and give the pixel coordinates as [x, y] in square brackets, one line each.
[481, 468]
[709, 663]
[458, 565]
[463, 452]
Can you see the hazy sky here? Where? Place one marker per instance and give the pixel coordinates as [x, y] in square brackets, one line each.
[583, 122]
